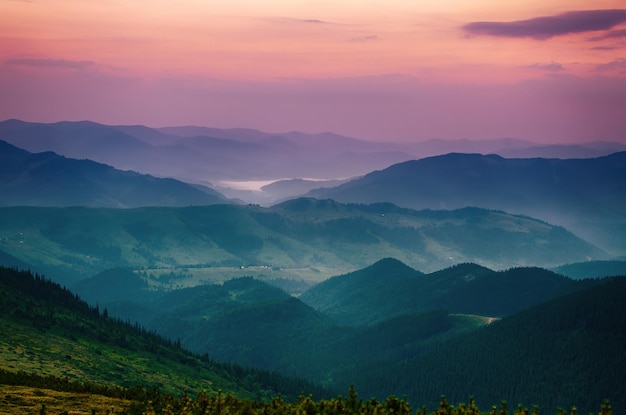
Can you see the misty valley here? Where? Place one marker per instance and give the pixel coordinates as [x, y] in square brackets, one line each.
[360, 278]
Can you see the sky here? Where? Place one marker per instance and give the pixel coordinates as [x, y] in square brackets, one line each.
[549, 71]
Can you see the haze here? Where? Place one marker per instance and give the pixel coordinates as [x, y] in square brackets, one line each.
[397, 70]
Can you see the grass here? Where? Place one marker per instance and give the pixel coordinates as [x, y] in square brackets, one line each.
[82, 359]
[24, 400]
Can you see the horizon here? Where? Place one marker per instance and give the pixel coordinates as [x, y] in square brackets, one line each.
[548, 74]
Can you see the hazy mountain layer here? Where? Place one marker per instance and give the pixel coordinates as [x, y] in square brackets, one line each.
[585, 195]
[213, 156]
[302, 238]
[47, 179]
[203, 155]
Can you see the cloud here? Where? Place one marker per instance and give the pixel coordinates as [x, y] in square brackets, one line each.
[613, 34]
[367, 38]
[552, 67]
[299, 21]
[51, 63]
[605, 48]
[618, 66]
[312, 21]
[549, 26]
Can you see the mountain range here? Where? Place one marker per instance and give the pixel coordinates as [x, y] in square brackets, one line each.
[299, 239]
[203, 155]
[389, 288]
[587, 196]
[457, 274]
[218, 158]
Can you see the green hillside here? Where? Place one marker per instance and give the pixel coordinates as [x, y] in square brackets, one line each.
[300, 239]
[389, 288]
[47, 330]
[566, 352]
[255, 324]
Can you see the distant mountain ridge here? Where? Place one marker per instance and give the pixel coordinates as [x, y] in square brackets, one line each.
[47, 179]
[216, 157]
[205, 155]
[587, 196]
[302, 237]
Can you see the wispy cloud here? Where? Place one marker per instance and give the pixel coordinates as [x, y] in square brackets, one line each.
[299, 21]
[316, 21]
[605, 48]
[51, 63]
[618, 66]
[551, 67]
[613, 34]
[367, 38]
[549, 26]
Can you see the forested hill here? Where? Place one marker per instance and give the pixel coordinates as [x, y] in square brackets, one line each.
[389, 288]
[569, 351]
[49, 331]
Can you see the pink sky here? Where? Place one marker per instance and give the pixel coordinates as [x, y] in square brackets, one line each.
[403, 70]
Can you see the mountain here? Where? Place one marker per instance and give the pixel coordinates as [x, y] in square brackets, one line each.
[592, 269]
[206, 155]
[569, 351]
[225, 157]
[362, 297]
[49, 331]
[515, 148]
[284, 189]
[244, 321]
[585, 195]
[47, 179]
[252, 323]
[389, 288]
[302, 239]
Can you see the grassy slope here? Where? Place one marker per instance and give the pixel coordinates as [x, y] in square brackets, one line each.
[51, 332]
[24, 400]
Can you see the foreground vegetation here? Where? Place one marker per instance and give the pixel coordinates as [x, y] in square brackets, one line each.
[50, 395]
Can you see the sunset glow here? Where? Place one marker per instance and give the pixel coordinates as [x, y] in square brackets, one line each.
[399, 70]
